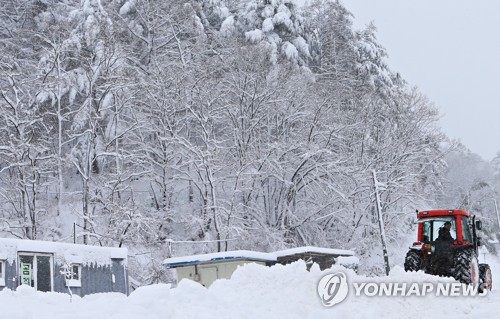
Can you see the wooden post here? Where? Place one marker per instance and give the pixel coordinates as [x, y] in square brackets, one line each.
[381, 224]
[498, 216]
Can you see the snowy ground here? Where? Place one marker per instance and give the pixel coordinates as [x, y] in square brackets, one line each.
[253, 292]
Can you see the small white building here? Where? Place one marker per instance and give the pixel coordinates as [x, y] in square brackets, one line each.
[207, 268]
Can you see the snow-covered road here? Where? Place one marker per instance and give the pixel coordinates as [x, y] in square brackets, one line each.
[254, 292]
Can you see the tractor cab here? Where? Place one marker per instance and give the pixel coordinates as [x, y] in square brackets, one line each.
[430, 223]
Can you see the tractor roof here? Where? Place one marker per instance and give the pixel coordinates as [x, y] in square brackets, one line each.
[442, 212]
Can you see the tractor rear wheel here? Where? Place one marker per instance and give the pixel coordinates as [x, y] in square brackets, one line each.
[413, 260]
[485, 277]
[465, 267]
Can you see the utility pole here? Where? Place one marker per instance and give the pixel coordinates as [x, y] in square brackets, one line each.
[498, 216]
[381, 223]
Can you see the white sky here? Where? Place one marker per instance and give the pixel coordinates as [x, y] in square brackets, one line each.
[450, 49]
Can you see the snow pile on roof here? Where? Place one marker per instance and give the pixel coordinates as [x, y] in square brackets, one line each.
[311, 249]
[252, 255]
[63, 252]
[348, 261]
[226, 255]
[253, 292]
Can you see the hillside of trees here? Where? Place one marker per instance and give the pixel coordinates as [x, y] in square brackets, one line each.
[237, 124]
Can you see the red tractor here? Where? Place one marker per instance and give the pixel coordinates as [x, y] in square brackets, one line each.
[448, 246]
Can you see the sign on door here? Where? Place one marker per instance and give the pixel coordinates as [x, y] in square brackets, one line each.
[26, 274]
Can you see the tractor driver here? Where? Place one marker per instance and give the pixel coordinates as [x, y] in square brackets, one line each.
[444, 232]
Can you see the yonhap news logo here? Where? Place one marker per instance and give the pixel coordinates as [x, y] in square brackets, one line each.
[333, 289]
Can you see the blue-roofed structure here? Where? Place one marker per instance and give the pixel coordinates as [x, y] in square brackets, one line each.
[206, 268]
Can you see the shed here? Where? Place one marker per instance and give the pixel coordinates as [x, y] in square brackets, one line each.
[207, 268]
[324, 257]
[62, 267]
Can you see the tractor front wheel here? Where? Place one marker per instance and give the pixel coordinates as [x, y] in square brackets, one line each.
[413, 260]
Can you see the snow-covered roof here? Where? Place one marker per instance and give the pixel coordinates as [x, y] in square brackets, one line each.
[63, 252]
[250, 255]
[311, 249]
[217, 257]
[347, 260]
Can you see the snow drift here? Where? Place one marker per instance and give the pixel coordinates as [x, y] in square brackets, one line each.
[253, 292]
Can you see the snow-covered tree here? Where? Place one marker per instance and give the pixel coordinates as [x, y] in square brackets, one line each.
[279, 24]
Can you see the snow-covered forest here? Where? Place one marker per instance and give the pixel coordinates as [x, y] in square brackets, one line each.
[254, 124]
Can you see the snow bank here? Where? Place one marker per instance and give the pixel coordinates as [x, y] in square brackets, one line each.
[253, 292]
